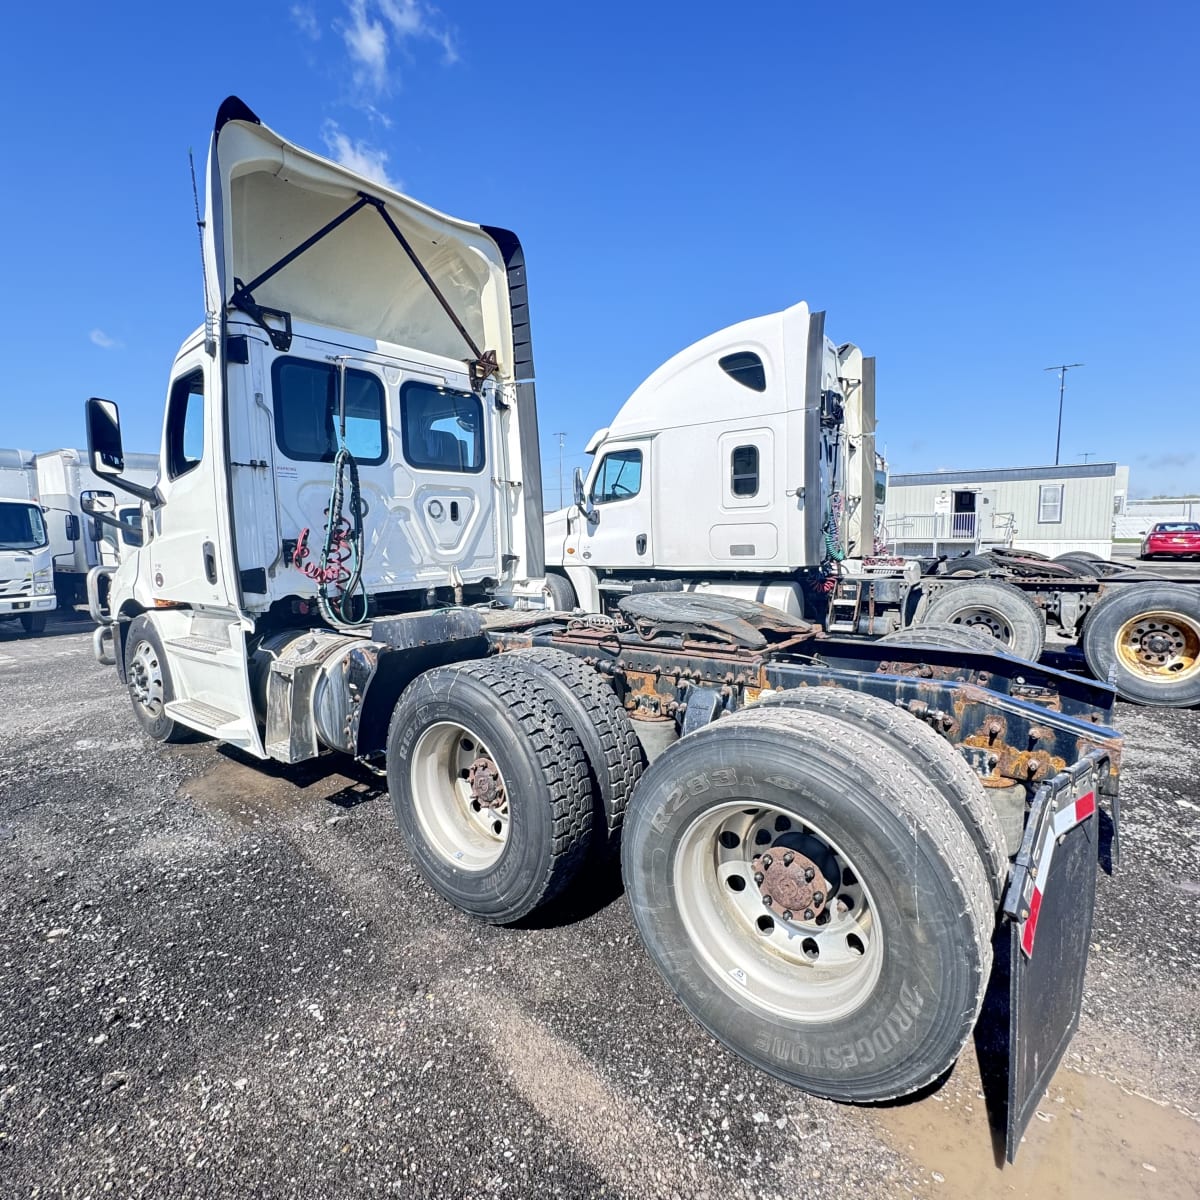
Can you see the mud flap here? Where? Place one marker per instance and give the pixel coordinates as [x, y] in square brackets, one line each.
[1049, 903]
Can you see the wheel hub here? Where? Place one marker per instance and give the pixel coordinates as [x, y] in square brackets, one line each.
[791, 884]
[486, 784]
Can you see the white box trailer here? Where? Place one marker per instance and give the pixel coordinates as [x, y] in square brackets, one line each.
[78, 542]
[26, 583]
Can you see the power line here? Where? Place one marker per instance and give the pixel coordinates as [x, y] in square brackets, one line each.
[1062, 370]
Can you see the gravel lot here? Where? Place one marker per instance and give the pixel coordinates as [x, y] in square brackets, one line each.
[225, 979]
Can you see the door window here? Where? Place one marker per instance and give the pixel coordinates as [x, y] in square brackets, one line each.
[308, 411]
[619, 476]
[442, 430]
[185, 425]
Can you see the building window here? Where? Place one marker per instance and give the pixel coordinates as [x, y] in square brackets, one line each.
[185, 425]
[747, 368]
[308, 411]
[442, 430]
[1050, 501]
[744, 471]
[619, 476]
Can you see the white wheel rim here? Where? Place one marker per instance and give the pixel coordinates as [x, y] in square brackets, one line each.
[805, 970]
[459, 796]
[146, 679]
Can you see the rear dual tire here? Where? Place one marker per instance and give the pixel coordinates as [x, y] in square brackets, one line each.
[994, 607]
[878, 1000]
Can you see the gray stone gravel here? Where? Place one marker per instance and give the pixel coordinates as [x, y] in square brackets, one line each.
[225, 979]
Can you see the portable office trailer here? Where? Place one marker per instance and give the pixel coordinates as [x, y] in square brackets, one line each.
[1047, 509]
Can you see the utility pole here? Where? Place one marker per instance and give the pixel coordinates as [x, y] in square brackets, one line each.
[562, 441]
[1062, 370]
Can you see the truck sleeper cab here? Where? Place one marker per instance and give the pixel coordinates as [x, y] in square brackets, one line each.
[343, 552]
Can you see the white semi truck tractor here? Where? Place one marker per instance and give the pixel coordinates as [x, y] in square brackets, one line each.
[26, 568]
[343, 553]
[745, 466]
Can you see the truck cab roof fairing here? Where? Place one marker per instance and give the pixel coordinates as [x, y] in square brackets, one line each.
[266, 197]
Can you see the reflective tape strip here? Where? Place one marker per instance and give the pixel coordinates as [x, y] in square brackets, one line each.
[1065, 820]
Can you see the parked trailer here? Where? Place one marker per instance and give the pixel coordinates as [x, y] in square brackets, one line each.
[346, 554]
[745, 466]
[78, 544]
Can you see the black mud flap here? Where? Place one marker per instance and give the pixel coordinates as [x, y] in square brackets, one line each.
[1049, 903]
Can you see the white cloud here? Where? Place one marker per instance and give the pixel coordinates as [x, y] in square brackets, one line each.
[358, 156]
[305, 18]
[101, 339]
[377, 27]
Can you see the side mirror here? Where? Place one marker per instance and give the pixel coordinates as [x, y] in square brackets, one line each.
[105, 453]
[582, 499]
[72, 527]
[93, 502]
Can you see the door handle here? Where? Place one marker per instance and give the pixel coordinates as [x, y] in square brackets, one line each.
[210, 562]
[641, 543]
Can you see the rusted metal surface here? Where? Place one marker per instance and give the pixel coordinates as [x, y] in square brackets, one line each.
[486, 785]
[791, 884]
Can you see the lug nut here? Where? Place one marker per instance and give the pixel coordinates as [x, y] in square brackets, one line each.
[787, 859]
[767, 860]
[808, 914]
[767, 901]
[818, 897]
[758, 877]
[809, 873]
[787, 914]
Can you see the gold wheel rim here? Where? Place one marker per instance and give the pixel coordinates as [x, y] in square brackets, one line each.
[1160, 645]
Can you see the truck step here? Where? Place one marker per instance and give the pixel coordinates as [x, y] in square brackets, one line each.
[199, 645]
[207, 718]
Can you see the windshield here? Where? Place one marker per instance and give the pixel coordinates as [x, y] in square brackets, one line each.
[21, 527]
[1177, 527]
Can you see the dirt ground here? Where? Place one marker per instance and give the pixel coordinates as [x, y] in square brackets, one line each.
[222, 979]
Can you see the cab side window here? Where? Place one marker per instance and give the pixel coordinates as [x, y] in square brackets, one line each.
[619, 476]
[185, 424]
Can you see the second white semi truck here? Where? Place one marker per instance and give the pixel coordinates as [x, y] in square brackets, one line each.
[745, 466]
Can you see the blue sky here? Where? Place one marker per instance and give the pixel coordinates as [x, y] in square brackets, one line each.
[971, 192]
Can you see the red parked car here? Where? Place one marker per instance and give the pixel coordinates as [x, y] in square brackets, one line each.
[1172, 539]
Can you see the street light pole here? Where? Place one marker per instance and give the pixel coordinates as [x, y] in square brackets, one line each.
[562, 439]
[1062, 370]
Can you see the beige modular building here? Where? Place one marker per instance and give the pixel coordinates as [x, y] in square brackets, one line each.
[1048, 509]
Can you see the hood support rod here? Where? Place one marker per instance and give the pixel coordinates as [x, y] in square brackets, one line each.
[481, 365]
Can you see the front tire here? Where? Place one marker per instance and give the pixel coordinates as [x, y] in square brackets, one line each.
[490, 787]
[872, 1003]
[33, 622]
[562, 592]
[149, 681]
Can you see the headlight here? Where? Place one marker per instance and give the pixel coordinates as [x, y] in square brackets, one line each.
[43, 580]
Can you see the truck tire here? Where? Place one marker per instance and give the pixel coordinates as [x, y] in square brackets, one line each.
[1145, 637]
[33, 622]
[994, 607]
[615, 756]
[933, 756]
[490, 787]
[871, 1004]
[1084, 555]
[562, 592]
[946, 635]
[149, 681]
[969, 564]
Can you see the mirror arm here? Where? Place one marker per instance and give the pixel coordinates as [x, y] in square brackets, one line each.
[150, 494]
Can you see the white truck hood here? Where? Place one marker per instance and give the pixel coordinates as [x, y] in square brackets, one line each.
[266, 197]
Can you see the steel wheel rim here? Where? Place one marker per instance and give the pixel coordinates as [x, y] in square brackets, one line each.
[809, 971]
[1160, 645]
[146, 679]
[987, 621]
[459, 796]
